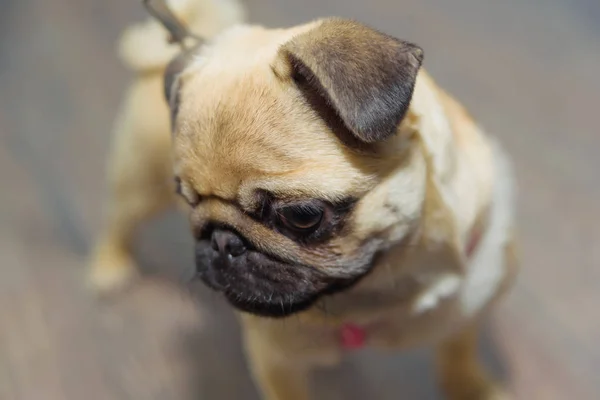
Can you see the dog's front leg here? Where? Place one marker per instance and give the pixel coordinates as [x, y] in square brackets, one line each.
[277, 377]
[459, 370]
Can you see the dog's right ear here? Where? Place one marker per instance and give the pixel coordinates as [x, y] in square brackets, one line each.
[172, 83]
[179, 34]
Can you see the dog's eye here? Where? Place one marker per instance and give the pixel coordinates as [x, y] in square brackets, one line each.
[301, 218]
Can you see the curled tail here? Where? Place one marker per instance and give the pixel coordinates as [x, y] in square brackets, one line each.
[144, 47]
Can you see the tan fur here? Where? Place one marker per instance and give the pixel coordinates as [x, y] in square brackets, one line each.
[241, 128]
[140, 167]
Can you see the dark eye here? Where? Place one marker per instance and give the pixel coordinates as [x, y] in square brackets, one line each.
[301, 218]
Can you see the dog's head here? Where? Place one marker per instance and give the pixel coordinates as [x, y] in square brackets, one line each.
[288, 148]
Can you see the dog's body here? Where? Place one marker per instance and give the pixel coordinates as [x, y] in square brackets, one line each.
[422, 248]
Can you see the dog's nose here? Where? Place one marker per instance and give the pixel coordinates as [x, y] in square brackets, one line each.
[227, 243]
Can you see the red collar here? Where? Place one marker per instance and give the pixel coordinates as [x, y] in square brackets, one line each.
[353, 337]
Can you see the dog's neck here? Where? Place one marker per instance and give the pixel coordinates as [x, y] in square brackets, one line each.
[458, 152]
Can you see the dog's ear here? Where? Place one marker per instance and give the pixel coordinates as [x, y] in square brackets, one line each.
[172, 83]
[366, 77]
[178, 33]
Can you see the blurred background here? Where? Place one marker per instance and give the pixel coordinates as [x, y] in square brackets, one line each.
[528, 70]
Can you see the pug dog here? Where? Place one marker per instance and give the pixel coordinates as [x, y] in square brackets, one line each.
[326, 177]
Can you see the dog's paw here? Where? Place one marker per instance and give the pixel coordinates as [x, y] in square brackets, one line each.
[110, 273]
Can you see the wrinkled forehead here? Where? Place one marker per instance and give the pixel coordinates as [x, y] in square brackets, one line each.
[231, 82]
[242, 127]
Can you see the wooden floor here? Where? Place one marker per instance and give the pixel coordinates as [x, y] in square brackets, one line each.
[528, 69]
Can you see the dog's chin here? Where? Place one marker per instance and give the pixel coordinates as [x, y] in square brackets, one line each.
[270, 309]
[253, 295]
[279, 305]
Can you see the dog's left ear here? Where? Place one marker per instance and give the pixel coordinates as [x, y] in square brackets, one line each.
[365, 76]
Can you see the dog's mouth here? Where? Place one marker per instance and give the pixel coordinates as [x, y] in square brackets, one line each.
[279, 306]
[261, 285]
[276, 304]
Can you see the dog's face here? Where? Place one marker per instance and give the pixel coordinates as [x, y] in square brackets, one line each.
[286, 148]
